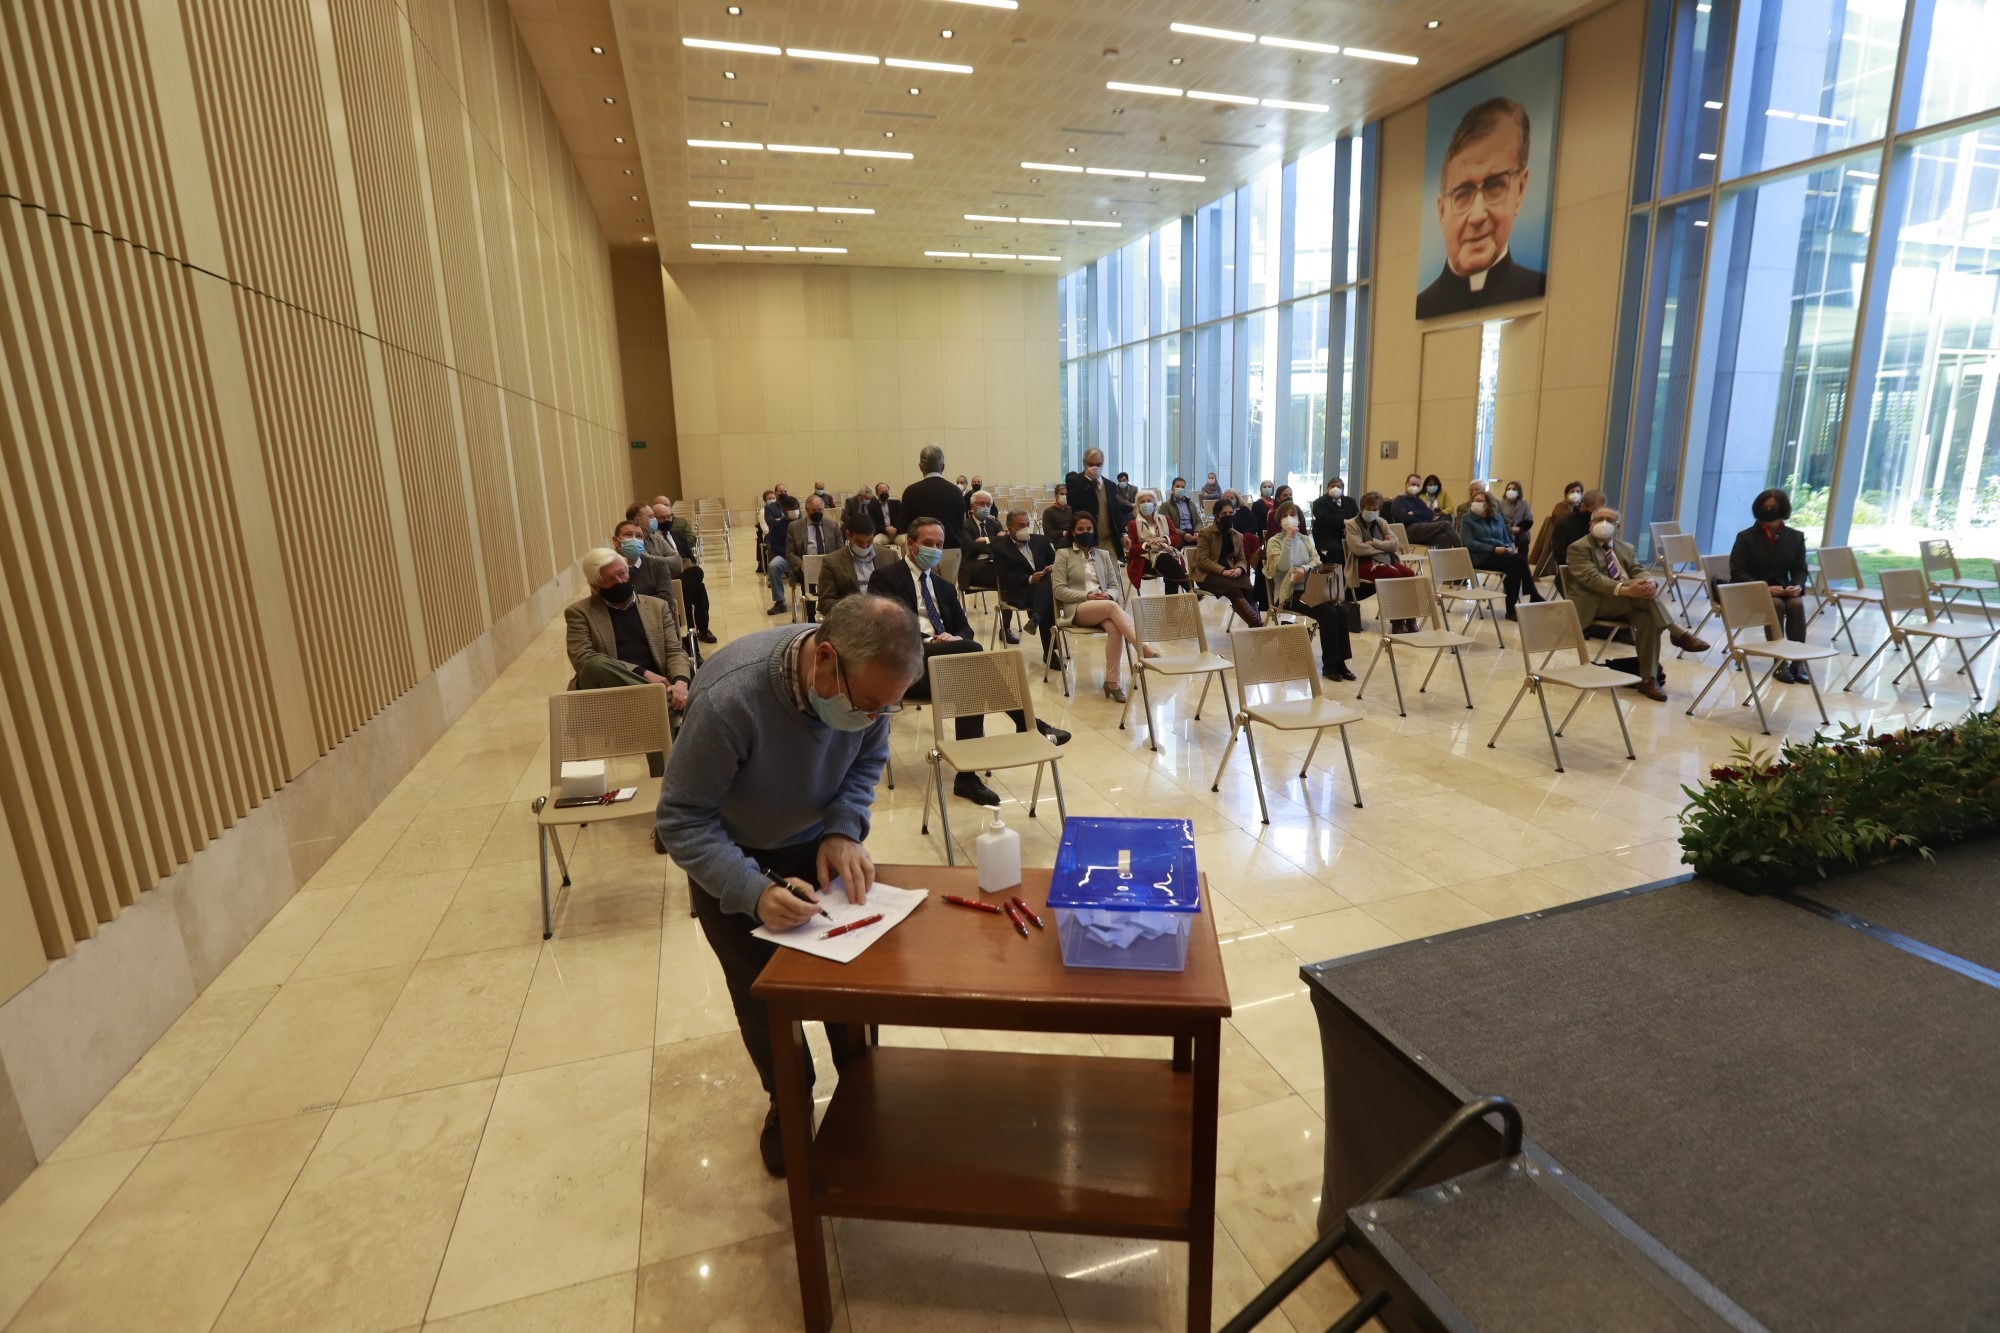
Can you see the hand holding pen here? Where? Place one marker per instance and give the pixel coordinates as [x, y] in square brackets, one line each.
[787, 903]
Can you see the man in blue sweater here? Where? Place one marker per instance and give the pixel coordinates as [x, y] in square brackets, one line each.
[785, 736]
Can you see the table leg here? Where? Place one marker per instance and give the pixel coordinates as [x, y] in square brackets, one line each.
[1183, 1060]
[1201, 1190]
[788, 1057]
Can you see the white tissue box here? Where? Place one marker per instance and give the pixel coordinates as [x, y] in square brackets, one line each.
[583, 777]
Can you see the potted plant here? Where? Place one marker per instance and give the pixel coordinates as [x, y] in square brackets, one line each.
[1833, 804]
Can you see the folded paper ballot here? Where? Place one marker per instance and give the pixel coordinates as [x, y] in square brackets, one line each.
[1120, 930]
[893, 903]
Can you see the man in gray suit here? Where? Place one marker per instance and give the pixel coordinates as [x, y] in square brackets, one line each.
[848, 570]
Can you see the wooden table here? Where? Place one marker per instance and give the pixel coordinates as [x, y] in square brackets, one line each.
[1085, 1144]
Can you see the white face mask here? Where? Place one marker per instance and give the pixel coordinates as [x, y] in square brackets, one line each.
[1479, 508]
[1576, 497]
[1290, 523]
[1513, 495]
[1412, 490]
[1603, 530]
[1335, 492]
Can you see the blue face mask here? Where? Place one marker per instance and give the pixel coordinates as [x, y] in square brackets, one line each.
[982, 510]
[927, 557]
[652, 525]
[839, 712]
[1367, 516]
[1148, 508]
[631, 548]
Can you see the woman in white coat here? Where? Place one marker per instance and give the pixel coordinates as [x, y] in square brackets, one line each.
[1087, 588]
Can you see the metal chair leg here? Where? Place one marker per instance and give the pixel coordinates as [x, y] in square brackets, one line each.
[1146, 696]
[1055, 776]
[1813, 681]
[1233, 728]
[1542, 697]
[1312, 750]
[1207, 681]
[1436, 657]
[1619, 713]
[1571, 714]
[929, 782]
[548, 925]
[1971, 680]
[1458, 656]
[1035, 792]
[1256, 770]
[1381, 646]
[944, 816]
[1727, 659]
[1862, 670]
[1397, 677]
[1508, 715]
[1352, 777]
[1756, 698]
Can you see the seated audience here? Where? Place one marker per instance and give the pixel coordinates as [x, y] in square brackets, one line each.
[1428, 524]
[1289, 557]
[1491, 544]
[1210, 491]
[1221, 565]
[1770, 552]
[849, 570]
[1330, 513]
[1126, 490]
[1542, 557]
[651, 575]
[1023, 560]
[1573, 527]
[1371, 554]
[1153, 546]
[693, 579]
[885, 513]
[1086, 593]
[1515, 513]
[780, 567]
[617, 636]
[1184, 510]
[941, 617]
[1603, 577]
[1055, 520]
[811, 535]
[982, 529]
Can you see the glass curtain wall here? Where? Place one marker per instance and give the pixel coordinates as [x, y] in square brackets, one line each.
[1229, 340]
[1815, 260]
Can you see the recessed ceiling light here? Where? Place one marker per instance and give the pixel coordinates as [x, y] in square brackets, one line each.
[1226, 34]
[722, 161]
[1114, 212]
[735, 10]
[628, 171]
[877, 152]
[853, 196]
[946, 34]
[1236, 98]
[597, 50]
[1069, 150]
[1201, 161]
[1115, 171]
[1034, 180]
[618, 138]
[1176, 176]
[724, 143]
[728, 73]
[1388, 56]
[704, 245]
[1294, 44]
[611, 101]
[1176, 60]
[784, 208]
[1434, 24]
[804, 148]
[727, 125]
[635, 198]
[822, 250]
[1334, 80]
[645, 238]
[915, 91]
[888, 134]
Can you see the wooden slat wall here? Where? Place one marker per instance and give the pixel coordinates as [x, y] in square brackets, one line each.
[348, 231]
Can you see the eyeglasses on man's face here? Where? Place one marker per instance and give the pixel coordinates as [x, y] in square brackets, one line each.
[1493, 190]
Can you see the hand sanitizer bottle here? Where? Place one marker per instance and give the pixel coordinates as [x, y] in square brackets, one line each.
[998, 852]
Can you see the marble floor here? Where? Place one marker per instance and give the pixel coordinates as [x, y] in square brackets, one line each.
[399, 1108]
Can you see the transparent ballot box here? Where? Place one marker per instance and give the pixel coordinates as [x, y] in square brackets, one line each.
[1125, 893]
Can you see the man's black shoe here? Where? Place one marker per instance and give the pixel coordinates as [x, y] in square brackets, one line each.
[771, 1144]
[972, 789]
[704, 636]
[1055, 734]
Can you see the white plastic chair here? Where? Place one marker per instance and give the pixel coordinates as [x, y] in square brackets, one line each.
[1747, 607]
[1174, 619]
[1904, 593]
[1414, 599]
[1941, 568]
[1278, 655]
[974, 684]
[1837, 564]
[1453, 580]
[598, 724]
[1549, 628]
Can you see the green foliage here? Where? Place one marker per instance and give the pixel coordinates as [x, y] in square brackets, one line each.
[1837, 803]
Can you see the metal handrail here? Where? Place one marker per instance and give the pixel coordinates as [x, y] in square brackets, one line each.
[1266, 1301]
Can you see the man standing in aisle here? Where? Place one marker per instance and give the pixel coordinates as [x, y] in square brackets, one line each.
[775, 767]
[1091, 492]
[935, 497]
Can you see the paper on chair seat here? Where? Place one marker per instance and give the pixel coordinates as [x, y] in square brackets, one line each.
[893, 903]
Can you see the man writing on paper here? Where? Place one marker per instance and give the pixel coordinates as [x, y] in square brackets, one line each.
[775, 767]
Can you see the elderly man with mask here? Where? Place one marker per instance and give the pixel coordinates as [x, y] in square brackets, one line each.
[810, 535]
[982, 530]
[679, 557]
[619, 636]
[1093, 493]
[768, 797]
[1605, 580]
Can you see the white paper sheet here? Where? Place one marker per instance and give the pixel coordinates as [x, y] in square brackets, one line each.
[893, 903]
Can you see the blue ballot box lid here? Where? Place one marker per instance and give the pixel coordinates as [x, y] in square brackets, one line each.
[1133, 865]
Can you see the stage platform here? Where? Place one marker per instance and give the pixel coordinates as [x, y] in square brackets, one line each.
[1759, 1112]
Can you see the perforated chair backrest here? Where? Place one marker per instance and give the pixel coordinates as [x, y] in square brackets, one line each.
[1746, 606]
[1938, 559]
[1905, 590]
[1837, 564]
[1715, 568]
[948, 565]
[1679, 548]
[1406, 599]
[974, 684]
[1549, 627]
[606, 724]
[1274, 655]
[810, 574]
[1172, 619]
[1448, 564]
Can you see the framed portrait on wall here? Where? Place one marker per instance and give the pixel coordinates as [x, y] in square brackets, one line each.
[1489, 163]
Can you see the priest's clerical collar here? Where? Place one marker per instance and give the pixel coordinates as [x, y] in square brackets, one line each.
[1477, 281]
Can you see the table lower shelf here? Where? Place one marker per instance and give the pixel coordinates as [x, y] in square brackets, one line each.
[1082, 1144]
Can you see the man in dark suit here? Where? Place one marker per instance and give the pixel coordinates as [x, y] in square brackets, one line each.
[886, 514]
[1091, 492]
[811, 535]
[1023, 560]
[941, 617]
[1480, 189]
[935, 497]
[982, 531]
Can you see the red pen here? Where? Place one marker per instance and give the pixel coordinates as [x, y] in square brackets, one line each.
[1019, 924]
[957, 901]
[853, 925]
[1029, 913]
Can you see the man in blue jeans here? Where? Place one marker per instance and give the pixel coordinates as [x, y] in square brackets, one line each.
[780, 568]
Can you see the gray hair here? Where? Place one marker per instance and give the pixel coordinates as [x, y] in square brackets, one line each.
[868, 630]
[930, 459]
[1023, 514]
[985, 495]
[595, 560]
